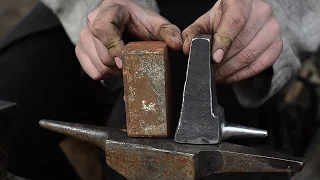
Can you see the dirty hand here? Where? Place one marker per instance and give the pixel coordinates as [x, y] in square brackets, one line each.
[100, 44]
[247, 38]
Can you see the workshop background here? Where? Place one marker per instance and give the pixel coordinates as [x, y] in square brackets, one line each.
[295, 111]
[11, 11]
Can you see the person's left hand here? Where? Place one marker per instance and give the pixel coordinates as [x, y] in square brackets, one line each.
[246, 38]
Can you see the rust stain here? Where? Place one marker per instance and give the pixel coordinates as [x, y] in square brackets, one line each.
[145, 76]
[155, 164]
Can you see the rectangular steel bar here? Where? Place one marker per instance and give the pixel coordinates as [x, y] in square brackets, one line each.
[146, 79]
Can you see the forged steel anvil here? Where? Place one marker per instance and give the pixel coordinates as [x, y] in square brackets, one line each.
[145, 150]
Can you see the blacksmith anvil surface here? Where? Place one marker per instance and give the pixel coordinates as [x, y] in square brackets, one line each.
[193, 155]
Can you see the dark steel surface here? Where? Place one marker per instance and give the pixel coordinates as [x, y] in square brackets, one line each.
[154, 158]
[146, 88]
[202, 119]
[6, 112]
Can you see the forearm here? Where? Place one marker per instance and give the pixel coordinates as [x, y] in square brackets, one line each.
[73, 14]
[299, 21]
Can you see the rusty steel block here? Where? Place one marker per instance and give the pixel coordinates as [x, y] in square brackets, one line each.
[146, 88]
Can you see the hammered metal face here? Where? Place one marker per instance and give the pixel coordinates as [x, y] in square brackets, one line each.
[201, 115]
[202, 119]
[146, 88]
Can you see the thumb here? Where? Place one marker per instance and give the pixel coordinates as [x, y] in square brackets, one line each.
[235, 14]
[206, 24]
[107, 29]
[148, 25]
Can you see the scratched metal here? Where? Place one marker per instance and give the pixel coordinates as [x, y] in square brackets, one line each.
[163, 159]
[202, 119]
[6, 112]
[146, 89]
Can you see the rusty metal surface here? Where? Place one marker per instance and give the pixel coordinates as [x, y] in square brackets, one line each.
[162, 159]
[6, 111]
[202, 119]
[146, 89]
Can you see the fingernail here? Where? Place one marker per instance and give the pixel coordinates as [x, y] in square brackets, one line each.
[218, 55]
[118, 62]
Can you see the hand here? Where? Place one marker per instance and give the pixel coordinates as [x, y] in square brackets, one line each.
[100, 44]
[247, 38]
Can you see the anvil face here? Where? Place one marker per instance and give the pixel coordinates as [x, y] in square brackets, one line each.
[154, 158]
[165, 159]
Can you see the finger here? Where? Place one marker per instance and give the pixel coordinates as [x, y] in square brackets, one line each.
[260, 13]
[262, 41]
[118, 62]
[92, 16]
[104, 54]
[267, 59]
[107, 29]
[196, 28]
[171, 34]
[101, 50]
[203, 25]
[234, 19]
[113, 19]
[89, 48]
[151, 26]
[86, 63]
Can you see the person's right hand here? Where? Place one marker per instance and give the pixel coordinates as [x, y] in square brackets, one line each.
[100, 44]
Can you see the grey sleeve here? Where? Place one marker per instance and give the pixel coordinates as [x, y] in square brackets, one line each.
[73, 13]
[299, 21]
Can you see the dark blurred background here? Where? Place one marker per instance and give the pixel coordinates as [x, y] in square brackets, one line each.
[11, 11]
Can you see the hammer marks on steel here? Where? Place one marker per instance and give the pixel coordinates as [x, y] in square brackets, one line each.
[146, 79]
